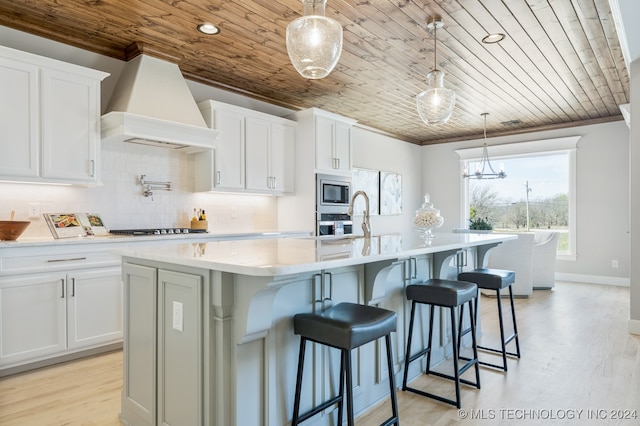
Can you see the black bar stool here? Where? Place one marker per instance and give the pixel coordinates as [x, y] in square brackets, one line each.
[447, 294]
[345, 326]
[496, 279]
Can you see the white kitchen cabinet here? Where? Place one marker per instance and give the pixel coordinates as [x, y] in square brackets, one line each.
[49, 120]
[94, 307]
[223, 168]
[33, 319]
[270, 155]
[333, 145]
[254, 152]
[57, 301]
[328, 136]
[164, 310]
[48, 314]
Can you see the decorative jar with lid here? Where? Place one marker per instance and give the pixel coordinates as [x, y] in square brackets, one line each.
[427, 218]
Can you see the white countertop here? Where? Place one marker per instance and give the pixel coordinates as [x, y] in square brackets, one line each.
[285, 256]
[110, 239]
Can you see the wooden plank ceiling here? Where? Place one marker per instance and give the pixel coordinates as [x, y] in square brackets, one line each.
[560, 65]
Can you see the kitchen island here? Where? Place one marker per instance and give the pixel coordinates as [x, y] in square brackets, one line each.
[209, 333]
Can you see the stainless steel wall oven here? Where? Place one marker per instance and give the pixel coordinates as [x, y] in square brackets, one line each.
[333, 195]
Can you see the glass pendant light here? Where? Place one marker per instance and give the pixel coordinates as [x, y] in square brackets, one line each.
[435, 105]
[314, 42]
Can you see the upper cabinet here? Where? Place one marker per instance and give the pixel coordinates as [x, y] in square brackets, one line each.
[329, 136]
[254, 153]
[49, 120]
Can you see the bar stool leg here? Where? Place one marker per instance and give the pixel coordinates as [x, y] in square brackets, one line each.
[392, 382]
[515, 326]
[431, 311]
[502, 338]
[474, 341]
[347, 363]
[296, 400]
[454, 341]
[341, 388]
[407, 354]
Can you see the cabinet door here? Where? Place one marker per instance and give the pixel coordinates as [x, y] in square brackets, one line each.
[283, 137]
[70, 126]
[230, 150]
[258, 154]
[342, 146]
[180, 359]
[33, 317]
[19, 119]
[94, 307]
[325, 158]
[140, 310]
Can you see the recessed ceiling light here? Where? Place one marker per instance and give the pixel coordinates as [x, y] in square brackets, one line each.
[208, 29]
[493, 38]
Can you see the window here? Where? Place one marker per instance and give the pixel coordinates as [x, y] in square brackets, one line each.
[538, 192]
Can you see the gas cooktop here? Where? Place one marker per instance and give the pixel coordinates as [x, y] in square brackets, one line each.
[157, 231]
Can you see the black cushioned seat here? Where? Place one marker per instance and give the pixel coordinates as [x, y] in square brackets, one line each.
[345, 326]
[443, 292]
[489, 278]
[496, 279]
[448, 294]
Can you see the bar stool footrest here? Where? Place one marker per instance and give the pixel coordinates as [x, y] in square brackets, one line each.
[319, 408]
[431, 395]
[462, 370]
[419, 354]
[390, 421]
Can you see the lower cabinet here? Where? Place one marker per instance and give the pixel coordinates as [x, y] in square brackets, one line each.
[94, 307]
[163, 347]
[44, 315]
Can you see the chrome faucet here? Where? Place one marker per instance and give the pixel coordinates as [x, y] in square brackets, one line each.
[366, 223]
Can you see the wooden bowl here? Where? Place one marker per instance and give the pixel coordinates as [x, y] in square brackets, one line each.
[10, 230]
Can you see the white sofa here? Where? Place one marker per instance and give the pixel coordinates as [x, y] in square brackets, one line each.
[545, 247]
[516, 255]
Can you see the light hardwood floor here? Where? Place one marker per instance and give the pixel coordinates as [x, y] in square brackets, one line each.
[578, 361]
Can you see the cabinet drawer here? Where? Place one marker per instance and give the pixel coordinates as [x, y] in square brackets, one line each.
[56, 261]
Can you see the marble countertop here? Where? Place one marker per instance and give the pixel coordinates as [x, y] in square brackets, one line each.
[112, 239]
[285, 256]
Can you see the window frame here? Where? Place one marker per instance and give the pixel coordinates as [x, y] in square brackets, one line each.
[542, 147]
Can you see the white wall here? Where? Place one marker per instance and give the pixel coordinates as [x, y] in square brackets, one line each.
[602, 170]
[634, 194]
[379, 152]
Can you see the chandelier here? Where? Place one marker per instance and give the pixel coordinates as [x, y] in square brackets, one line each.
[314, 42]
[480, 172]
[435, 105]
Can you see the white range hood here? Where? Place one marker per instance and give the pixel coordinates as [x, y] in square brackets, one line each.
[152, 105]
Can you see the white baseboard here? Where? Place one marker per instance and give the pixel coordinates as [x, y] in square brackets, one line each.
[593, 279]
[634, 326]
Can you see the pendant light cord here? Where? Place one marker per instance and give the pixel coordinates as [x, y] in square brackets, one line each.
[435, 47]
[485, 127]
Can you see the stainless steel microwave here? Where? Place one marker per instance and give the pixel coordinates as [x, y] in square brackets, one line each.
[333, 193]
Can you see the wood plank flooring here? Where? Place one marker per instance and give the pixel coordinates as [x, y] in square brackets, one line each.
[579, 364]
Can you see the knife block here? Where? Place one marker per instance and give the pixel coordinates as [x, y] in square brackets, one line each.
[199, 224]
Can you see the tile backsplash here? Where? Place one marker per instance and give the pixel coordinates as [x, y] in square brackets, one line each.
[120, 202]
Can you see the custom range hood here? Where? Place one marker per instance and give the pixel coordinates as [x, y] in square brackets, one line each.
[152, 105]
